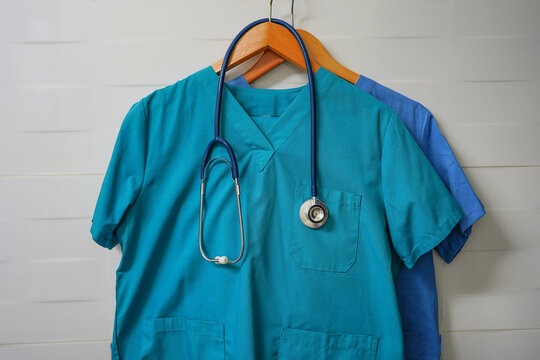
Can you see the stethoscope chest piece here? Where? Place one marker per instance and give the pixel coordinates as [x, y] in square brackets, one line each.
[313, 213]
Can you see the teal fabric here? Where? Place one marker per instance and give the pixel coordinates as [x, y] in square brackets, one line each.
[416, 288]
[297, 293]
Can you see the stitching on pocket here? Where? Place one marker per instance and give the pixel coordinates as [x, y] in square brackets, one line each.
[334, 198]
[197, 339]
[320, 340]
[193, 326]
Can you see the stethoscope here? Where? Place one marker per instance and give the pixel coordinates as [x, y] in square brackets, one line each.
[313, 212]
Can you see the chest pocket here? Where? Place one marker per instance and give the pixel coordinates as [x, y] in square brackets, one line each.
[333, 246]
[297, 344]
[182, 338]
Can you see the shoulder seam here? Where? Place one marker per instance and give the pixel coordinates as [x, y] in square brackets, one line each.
[423, 137]
[383, 147]
[392, 114]
[143, 181]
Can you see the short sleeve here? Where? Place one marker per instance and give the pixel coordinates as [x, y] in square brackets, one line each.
[420, 211]
[123, 178]
[441, 156]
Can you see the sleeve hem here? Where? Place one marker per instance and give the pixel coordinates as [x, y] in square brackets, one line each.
[473, 216]
[105, 240]
[453, 243]
[434, 240]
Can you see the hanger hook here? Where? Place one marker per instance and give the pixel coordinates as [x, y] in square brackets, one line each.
[270, 12]
[292, 13]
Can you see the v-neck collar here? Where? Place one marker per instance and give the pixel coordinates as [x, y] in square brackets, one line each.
[251, 138]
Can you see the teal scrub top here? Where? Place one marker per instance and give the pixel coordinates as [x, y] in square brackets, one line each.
[416, 288]
[297, 293]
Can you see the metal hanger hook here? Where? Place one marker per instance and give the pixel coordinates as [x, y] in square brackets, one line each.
[292, 13]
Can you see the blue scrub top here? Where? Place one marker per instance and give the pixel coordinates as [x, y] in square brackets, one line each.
[297, 293]
[416, 287]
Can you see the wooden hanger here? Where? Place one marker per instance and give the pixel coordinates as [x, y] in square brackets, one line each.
[322, 57]
[317, 53]
[267, 36]
[264, 64]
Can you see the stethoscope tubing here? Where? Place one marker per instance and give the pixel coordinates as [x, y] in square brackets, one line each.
[217, 118]
[233, 163]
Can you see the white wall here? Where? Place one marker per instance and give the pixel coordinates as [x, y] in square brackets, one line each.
[70, 70]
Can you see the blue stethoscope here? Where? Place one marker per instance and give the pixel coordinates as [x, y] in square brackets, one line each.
[313, 212]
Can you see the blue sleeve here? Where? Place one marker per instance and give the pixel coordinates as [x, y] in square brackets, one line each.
[123, 178]
[445, 163]
[420, 211]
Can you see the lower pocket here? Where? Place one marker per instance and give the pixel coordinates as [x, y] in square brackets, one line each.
[182, 338]
[297, 344]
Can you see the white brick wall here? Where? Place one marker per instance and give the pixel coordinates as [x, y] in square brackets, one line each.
[70, 70]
